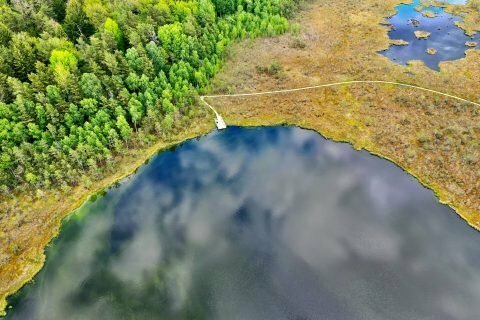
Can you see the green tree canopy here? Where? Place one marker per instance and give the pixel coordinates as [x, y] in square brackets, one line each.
[81, 81]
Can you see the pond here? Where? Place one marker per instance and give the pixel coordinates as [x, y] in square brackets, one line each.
[446, 38]
[263, 223]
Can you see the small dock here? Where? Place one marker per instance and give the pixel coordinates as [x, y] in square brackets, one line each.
[219, 122]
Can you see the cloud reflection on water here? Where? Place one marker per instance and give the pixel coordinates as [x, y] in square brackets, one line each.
[271, 223]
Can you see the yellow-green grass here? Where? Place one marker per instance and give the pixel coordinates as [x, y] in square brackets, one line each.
[422, 34]
[470, 13]
[434, 138]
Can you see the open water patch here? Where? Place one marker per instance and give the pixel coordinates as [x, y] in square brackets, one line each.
[270, 223]
[448, 41]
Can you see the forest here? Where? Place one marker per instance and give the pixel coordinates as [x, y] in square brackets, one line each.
[82, 81]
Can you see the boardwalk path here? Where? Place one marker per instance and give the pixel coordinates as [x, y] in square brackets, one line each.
[222, 125]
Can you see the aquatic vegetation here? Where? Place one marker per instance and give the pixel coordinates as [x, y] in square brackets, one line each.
[399, 42]
[429, 14]
[470, 13]
[422, 34]
[431, 22]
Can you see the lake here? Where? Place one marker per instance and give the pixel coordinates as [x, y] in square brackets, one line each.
[262, 223]
[446, 38]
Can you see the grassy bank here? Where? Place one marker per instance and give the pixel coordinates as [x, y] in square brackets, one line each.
[434, 138]
[470, 13]
[87, 89]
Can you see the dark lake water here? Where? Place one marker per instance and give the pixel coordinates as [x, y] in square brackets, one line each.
[267, 223]
[446, 37]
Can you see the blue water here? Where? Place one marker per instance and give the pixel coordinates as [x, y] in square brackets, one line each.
[446, 37]
[261, 224]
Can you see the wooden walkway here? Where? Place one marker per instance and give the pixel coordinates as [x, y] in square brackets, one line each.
[219, 122]
[222, 125]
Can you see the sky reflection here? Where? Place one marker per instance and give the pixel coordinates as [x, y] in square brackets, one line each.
[267, 223]
[446, 37]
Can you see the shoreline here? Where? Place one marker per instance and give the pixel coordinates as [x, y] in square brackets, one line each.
[436, 192]
[164, 146]
[32, 266]
[384, 121]
[105, 183]
[161, 147]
